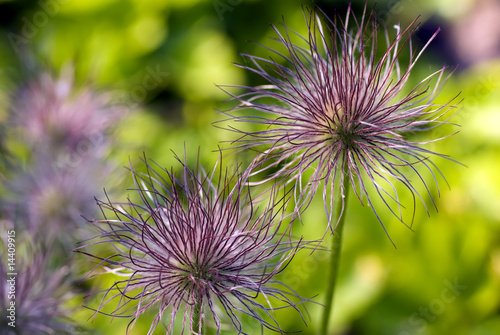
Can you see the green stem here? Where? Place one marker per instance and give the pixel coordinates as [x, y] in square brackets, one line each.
[197, 322]
[335, 256]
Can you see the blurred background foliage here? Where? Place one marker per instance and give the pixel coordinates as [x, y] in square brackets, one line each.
[444, 275]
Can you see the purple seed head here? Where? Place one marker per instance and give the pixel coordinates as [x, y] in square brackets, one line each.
[57, 115]
[336, 106]
[190, 240]
[64, 130]
[39, 293]
[45, 198]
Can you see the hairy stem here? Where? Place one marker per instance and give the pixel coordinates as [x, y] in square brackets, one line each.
[335, 254]
[198, 318]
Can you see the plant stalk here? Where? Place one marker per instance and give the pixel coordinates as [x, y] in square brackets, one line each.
[335, 255]
[197, 318]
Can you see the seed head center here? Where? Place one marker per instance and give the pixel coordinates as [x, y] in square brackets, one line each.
[339, 126]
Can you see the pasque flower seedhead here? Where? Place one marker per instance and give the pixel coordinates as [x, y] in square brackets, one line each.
[190, 241]
[336, 106]
[33, 294]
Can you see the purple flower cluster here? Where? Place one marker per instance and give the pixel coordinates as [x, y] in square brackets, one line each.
[335, 110]
[65, 131]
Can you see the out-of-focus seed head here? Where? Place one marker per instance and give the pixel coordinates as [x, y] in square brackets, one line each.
[37, 292]
[65, 133]
[190, 240]
[340, 103]
[52, 200]
[54, 113]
